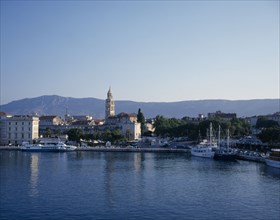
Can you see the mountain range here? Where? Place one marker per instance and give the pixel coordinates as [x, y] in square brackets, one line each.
[58, 105]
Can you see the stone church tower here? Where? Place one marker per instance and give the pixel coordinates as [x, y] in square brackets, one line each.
[109, 105]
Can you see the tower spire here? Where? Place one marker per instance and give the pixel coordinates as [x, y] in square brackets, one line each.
[109, 104]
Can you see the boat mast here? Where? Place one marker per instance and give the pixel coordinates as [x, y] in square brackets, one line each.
[219, 136]
[227, 139]
[210, 135]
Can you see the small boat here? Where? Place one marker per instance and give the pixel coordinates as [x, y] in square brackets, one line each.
[250, 156]
[48, 146]
[273, 159]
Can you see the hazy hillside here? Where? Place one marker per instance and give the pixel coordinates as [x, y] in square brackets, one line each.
[57, 105]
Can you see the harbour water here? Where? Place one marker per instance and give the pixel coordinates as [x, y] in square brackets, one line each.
[134, 185]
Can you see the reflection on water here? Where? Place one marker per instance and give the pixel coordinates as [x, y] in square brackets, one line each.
[108, 178]
[97, 185]
[270, 171]
[137, 162]
[34, 167]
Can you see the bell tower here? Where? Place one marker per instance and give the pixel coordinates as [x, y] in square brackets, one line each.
[109, 105]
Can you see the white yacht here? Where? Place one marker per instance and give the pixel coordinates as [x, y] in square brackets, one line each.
[48, 146]
[202, 151]
[205, 149]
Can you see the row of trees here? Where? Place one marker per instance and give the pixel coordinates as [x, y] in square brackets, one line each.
[173, 127]
[270, 130]
[114, 136]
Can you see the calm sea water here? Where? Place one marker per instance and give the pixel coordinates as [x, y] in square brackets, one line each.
[96, 185]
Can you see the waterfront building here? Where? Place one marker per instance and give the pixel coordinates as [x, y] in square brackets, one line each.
[109, 105]
[122, 118]
[50, 120]
[274, 117]
[219, 114]
[68, 119]
[50, 124]
[194, 120]
[18, 128]
[127, 123]
[149, 125]
[82, 118]
[87, 126]
[99, 121]
[252, 120]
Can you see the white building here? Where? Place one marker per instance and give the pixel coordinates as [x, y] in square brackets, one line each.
[132, 130]
[19, 128]
[127, 123]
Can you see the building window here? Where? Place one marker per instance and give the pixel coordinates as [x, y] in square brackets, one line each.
[22, 128]
[16, 128]
[22, 135]
[9, 128]
[22, 123]
[9, 123]
[16, 123]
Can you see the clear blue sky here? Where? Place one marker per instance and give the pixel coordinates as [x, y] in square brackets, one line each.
[146, 51]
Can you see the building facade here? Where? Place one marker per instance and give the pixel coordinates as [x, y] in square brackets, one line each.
[50, 123]
[109, 105]
[50, 120]
[127, 123]
[19, 128]
[275, 117]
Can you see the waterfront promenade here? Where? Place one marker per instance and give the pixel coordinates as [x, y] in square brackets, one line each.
[116, 149]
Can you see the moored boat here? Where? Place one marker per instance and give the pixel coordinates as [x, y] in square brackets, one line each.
[205, 149]
[48, 146]
[250, 156]
[225, 153]
[273, 159]
[202, 151]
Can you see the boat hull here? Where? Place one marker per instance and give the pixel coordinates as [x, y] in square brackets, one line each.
[250, 158]
[205, 152]
[272, 163]
[225, 157]
[46, 150]
[205, 155]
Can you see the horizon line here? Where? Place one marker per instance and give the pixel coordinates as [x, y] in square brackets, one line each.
[125, 100]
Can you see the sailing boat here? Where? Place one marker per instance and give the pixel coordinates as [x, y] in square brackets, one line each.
[222, 153]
